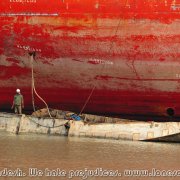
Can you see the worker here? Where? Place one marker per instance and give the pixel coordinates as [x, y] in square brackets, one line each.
[18, 102]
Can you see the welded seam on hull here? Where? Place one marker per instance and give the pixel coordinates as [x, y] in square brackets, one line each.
[135, 71]
[133, 68]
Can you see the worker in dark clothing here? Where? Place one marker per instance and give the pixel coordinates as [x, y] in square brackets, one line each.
[18, 102]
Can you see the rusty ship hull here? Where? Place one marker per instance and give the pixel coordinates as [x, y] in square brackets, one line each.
[99, 56]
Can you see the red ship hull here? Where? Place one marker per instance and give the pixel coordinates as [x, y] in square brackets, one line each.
[107, 57]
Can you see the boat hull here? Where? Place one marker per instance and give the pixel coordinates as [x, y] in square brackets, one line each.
[92, 56]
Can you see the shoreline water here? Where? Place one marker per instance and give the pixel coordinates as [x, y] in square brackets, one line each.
[36, 152]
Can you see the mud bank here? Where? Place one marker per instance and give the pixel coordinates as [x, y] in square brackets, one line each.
[121, 130]
[20, 124]
[128, 130]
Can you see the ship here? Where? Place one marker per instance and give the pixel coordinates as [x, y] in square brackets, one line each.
[92, 56]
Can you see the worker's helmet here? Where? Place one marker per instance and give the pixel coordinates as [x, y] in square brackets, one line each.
[18, 90]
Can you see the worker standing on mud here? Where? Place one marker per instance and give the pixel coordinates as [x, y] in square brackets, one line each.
[18, 102]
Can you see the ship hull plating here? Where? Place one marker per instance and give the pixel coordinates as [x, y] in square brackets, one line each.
[116, 57]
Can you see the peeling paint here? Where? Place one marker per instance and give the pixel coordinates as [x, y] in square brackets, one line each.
[175, 7]
[133, 67]
[29, 14]
[28, 48]
[99, 61]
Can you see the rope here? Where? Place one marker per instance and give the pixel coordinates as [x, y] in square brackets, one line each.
[51, 127]
[110, 48]
[34, 89]
[32, 86]
[87, 100]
